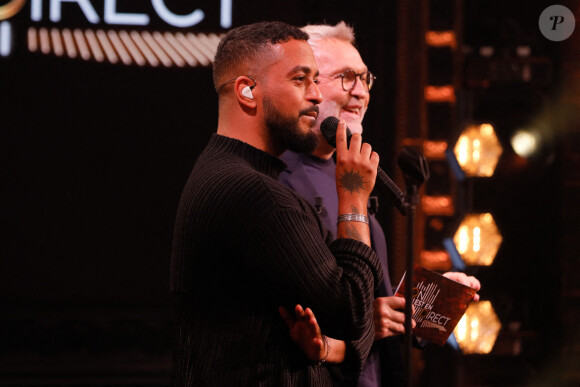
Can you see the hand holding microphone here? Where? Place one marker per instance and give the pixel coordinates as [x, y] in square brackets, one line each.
[356, 170]
[329, 129]
[356, 166]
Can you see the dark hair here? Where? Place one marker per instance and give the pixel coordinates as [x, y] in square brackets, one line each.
[247, 43]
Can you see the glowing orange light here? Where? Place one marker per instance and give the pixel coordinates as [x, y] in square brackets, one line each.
[477, 239]
[437, 205]
[435, 260]
[478, 329]
[441, 39]
[11, 9]
[440, 94]
[434, 150]
[478, 150]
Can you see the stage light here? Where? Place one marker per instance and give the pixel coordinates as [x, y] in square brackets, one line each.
[478, 150]
[129, 48]
[437, 260]
[441, 39]
[477, 239]
[5, 38]
[434, 150]
[444, 93]
[11, 9]
[478, 329]
[437, 205]
[525, 143]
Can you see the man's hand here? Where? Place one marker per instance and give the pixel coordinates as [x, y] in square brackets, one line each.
[305, 332]
[356, 171]
[389, 317]
[464, 279]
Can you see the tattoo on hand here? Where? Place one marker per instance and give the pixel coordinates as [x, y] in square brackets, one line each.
[351, 181]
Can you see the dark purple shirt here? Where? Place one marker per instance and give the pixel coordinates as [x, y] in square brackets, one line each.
[315, 180]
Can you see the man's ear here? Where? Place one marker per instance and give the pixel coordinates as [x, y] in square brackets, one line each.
[243, 87]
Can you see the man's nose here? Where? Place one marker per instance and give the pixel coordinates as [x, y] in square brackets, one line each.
[314, 95]
[360, 88]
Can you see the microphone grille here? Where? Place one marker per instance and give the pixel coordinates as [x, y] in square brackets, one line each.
[328, 129]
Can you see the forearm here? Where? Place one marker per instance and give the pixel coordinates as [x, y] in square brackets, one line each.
[305, 332]
[331, 278]
[354, 230]
[336, 281]
[336, 351]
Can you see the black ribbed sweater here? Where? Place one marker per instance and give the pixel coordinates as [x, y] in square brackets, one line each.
[244, 245]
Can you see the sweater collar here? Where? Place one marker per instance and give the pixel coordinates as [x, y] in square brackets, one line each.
[261, 161]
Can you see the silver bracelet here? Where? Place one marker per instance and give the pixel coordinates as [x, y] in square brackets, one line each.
[353, 218]
[321, 361]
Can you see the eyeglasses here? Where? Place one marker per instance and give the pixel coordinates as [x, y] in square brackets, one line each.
[349, 79]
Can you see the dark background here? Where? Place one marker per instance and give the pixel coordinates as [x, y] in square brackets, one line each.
[95, 156]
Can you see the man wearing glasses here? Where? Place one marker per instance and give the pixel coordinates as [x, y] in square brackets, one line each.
[345, 83]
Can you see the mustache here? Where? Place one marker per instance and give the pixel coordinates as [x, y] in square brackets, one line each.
[309, 110]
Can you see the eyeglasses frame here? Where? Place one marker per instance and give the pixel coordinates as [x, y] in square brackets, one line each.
[369, 83]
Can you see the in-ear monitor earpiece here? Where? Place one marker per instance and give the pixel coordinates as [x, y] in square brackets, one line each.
[247, 92]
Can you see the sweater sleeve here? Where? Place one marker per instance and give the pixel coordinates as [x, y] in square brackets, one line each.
[294, 264]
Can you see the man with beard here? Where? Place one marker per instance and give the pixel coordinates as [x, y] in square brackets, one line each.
[345, 83]
[244, 244]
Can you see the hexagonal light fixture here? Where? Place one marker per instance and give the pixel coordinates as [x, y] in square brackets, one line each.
[478, 150]
[478, 329]
[477, 239]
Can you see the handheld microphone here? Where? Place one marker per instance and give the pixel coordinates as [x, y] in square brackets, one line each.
[328, 128]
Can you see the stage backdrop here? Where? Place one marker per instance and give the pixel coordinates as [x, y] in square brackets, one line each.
[96, 150]
[105, 106]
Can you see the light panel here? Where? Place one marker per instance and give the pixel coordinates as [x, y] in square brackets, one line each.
[477, 239]
[127, 48]
[478, 150]
[478, 329]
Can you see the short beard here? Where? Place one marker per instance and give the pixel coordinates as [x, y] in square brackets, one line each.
[284, 132]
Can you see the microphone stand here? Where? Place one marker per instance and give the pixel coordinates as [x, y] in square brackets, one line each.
[412, 198]
[416, 172]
